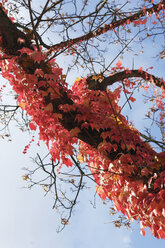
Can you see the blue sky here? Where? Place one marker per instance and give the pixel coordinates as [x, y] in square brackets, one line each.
[27, 219]
[26, 216]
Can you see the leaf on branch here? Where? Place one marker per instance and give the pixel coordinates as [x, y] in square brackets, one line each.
[74, 132]
[132, 99]
[100, 191]
[49, 107]
[118, 64]
[64, 221]
[32, 126]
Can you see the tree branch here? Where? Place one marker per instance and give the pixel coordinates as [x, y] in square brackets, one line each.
[114, 24]
[10, 35]
[120, 76]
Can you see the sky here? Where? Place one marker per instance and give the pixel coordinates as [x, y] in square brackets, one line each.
[27, 219]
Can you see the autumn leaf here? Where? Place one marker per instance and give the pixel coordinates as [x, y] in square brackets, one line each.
[132, 99]
[80, 158]
[118, 64]
[143, 231]
[49, 107]
[64, 221]
[25, 177]
[101, 192]
[74, 132]
[32, 126]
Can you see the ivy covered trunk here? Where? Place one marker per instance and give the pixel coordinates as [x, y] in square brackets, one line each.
[126, 169]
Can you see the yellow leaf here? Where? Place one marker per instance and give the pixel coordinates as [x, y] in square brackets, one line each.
[80, 158]
[25, 177]
[99, 76]
[115, 177]
[22, 105]
[109, 194]
[77, 80]
[116, 119]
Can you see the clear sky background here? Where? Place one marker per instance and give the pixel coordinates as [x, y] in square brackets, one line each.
[26, 216]
[27, 219]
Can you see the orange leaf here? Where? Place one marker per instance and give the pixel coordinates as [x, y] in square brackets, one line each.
[49, 107]
[143, 232]
[132, 99]
[74, 132]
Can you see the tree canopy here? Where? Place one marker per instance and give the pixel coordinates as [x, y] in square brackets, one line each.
[83, 123]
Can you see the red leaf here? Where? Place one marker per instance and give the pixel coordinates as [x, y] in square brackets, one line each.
[101, 192]
[161, 233]
[118, 64]
[132, 99]
[143, 232]
[32, 126]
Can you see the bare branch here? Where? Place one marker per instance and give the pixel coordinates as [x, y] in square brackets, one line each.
[111, 26]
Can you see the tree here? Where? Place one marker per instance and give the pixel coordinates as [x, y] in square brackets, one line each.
[85, 124]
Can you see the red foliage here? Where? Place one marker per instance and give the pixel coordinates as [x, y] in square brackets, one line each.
[32, 126]
[134, 178]
[125, 179]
